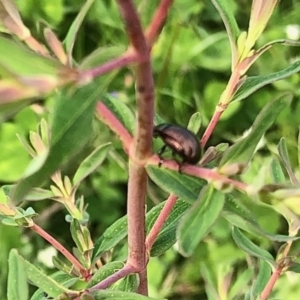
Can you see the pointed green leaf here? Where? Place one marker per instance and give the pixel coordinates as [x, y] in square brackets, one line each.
[120, 110]
[184, 187]
[262, 278]
[118, 295]
[284, 155]
[17, 287]
[276, 171]
[91, 163]
[71, 130]
[238, 215]
[104, 272]
[62, 278]
[39, 279]
[77, 235]
[199, 219]
[243, 150]
[73, 30]
[167, 236]
[245, 244]
[128, 284]
[254, 83]
[229, 22]
[195, 123]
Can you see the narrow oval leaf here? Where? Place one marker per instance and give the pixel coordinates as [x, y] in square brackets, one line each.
[118, 295]
[243, 150]
[238, 215]
[183, 186]
[61, 277]
[245, 244]
[254, 83]
[284, 155]
[71, 130]
[91, 163]
[167, 236]
[39, 279]
[261, 279]
[128, 284]
[199, 219]
[17, 287]
[229, 22]
[277, 174]
[104, 272]
[120, 110]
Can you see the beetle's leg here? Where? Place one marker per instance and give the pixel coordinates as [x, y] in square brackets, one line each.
[160, 152]
[179, 163]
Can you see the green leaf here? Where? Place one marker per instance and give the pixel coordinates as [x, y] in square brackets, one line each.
[120, 110]
[39, 279]
[184, 187]
[128, 284]
[253, 83]
[17, 287]
[118, 295]
[199, 219]
[238, 215]
[111, 237]
[74, 28]
[284, 155]
[91, 163]
[71, 130]
[243, 150]
[195, 123]
[261, 279]
[167, 236]
[105, 272]
[245, 244]
[277, 174]
[229, 22]
[62, 278]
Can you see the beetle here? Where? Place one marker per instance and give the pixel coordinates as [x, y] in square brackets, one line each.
[182, 142]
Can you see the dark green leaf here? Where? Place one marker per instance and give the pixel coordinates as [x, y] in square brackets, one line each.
[118, 295]
[184, 187]
[167, 237]
[128, 284]
[104, 272]
[199, 219]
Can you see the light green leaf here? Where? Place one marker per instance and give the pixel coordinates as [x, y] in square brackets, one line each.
[71, 130]
[17, 287]
[199, 219]
[243, 150]
[245, 244]
[91, 163]
[118, 295]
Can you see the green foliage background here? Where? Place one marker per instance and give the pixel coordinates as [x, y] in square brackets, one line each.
[191, 65]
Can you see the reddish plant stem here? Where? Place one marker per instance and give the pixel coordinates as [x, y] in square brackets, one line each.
[61, 249]
[107, 117]
[158, 20]
[125, 59]
[269, 287]
[207, 174]
[141, 150]
[223, 104]
[160, 221]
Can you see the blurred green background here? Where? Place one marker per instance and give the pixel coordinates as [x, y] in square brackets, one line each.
[191, 66]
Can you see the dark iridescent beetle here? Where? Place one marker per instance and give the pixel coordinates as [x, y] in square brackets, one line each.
[182, 142]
